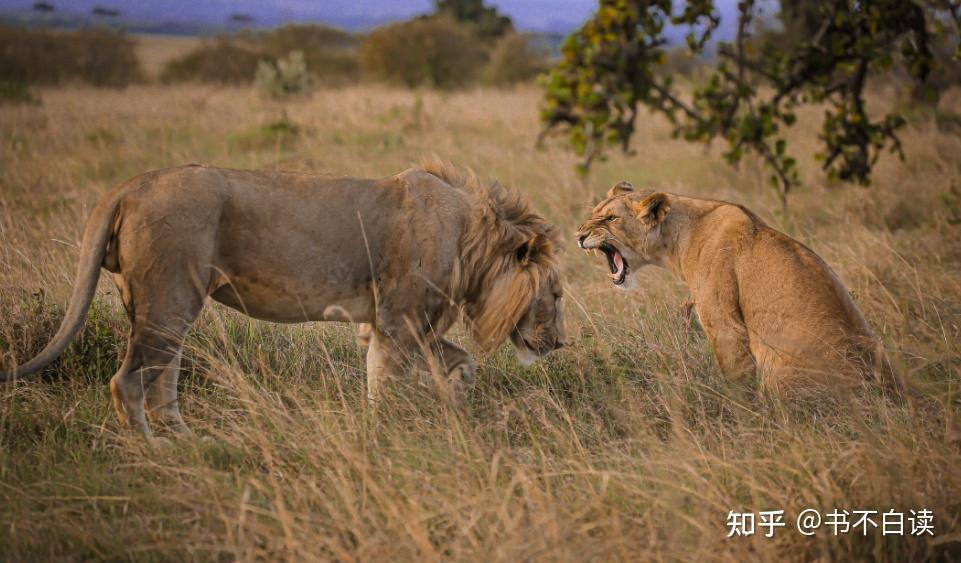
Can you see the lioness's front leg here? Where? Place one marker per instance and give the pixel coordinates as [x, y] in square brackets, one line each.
[728, 336]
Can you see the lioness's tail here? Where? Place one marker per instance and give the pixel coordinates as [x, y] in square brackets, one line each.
[92, 251]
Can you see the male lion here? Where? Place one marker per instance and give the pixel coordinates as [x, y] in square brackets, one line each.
[768, 304]
[406, 254]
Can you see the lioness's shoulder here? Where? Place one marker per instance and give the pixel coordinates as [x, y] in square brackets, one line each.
[709, 219]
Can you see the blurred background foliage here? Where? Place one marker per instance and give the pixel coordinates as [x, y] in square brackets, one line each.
[459, 44]
[743, 92]
[820, 52]
[100, 57]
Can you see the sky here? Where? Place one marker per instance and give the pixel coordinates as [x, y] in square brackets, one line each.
[528, 14]
[540, 15]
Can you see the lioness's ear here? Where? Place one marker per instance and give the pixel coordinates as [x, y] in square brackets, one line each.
[652, 208]
[620, 188]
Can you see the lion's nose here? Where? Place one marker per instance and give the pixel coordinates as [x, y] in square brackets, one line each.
[581, 237]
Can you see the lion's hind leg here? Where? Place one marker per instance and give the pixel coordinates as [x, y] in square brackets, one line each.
[148, 376]
[150, 352]
[161, 400]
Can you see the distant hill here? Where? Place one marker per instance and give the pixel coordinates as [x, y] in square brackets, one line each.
[64, 20]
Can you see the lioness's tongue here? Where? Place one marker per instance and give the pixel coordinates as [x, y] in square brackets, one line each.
[618, 262]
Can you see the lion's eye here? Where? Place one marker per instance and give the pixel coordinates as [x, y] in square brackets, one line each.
[612, 218]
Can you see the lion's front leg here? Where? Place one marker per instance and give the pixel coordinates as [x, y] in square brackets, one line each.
[459, 369]
[388, 356]
[382, 363]
[365, 332]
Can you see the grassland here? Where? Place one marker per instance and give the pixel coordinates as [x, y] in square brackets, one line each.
[626, 445]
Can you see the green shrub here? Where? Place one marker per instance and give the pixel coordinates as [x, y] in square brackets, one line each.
[221, 61]
[15, 92]
[515, 58]
[95, 56]
[424, 52]
[283, 77]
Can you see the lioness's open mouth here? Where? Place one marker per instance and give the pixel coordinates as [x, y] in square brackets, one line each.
[616, 262]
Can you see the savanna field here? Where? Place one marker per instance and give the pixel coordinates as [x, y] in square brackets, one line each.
[625, 445]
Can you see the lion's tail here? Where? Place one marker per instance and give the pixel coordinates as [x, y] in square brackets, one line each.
[92, 251]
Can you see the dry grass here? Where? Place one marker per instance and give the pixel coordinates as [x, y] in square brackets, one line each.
[626, 445]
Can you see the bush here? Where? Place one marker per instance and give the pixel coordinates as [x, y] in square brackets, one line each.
[222, 61]
[484, 20]
[283, 77]
[424, 52]
[516, 58]
[329, 53]
[95, 56]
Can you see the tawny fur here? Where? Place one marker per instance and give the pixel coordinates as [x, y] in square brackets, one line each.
[405, 255]
[768, 304]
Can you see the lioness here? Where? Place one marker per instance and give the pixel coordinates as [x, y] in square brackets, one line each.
[768, 304]
[406, 254]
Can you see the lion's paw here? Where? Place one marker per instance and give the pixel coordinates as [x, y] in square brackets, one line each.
[460, 380]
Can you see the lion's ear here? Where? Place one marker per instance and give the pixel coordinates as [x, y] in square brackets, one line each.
[620, 188]
[529, 250]
[652, 208]
[525, 252]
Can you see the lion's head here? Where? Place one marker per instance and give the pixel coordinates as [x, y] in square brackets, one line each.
[540, 327]
[520, 296]
[508, 279]
[626, 227]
